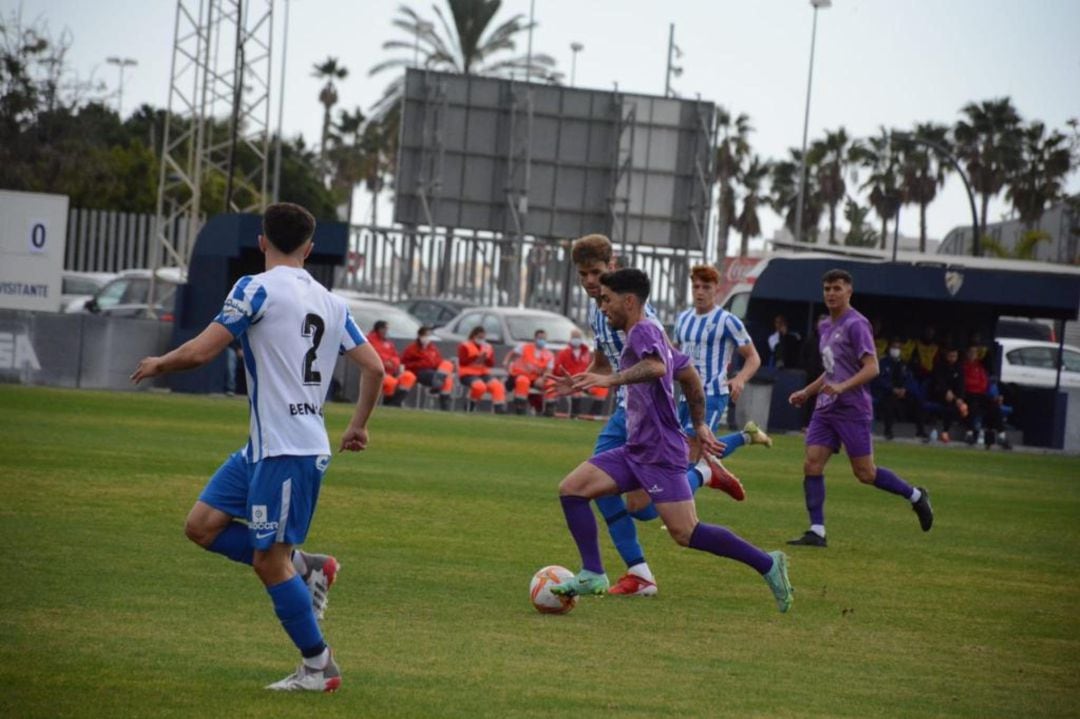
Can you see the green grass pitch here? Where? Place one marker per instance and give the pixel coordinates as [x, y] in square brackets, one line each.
[106, 610]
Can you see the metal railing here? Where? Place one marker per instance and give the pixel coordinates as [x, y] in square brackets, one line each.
[110, 241]
[394, 264]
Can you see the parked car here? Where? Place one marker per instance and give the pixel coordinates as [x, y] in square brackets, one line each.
[510, 325]
[400, 324]
[1032, 363]
[128, 295]
[77, 287]
[434, 311]
[1023, 329]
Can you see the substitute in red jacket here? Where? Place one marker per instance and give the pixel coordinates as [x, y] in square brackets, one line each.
[475, 359]
[574, 359]
[423, 359]
[528, 364]
[397, 381]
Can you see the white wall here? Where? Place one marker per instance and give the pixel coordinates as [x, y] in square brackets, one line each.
[33, 234]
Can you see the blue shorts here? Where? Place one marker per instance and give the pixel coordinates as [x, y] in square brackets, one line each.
[614, 432]
[277, 496]
[715, 404]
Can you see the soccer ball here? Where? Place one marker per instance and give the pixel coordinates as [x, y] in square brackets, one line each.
[540, 590]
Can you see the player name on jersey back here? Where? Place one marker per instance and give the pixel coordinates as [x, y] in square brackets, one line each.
[292, 330]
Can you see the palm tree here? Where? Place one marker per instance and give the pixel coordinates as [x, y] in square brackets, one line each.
[784, 194]
[860, 233]
[987, 141]
[331, 70]
[923, 172]
[348, 153]
[465, 46]
[731, 151]
[831, 156]
[880, 157]
[1045, 161]
[747, 223]
[1025, 248]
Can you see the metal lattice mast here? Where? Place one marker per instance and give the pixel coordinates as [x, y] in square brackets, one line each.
[218, 110]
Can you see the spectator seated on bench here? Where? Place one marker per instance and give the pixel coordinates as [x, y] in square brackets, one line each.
[574, 359]
[476, 358]
[424, 360]
[898, 391]
[397, 381]
[984, 413]
[527, 364]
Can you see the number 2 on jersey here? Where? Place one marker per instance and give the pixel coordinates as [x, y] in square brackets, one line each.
[313, 327]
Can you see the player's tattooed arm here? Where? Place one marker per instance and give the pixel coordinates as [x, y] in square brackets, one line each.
[646, 370]
[694, 392]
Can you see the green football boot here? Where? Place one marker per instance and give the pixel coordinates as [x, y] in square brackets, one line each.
[585, 582]
[778, 582]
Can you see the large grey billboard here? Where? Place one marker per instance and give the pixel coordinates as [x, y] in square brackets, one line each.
[554, 162]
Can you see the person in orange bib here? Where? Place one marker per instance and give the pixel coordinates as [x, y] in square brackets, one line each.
[423, 359]
[475, 359]
[397, 381]
[573, 360]
[528, 363]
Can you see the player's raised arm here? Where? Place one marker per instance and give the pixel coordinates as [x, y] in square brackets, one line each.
[194, 353]
[371, 378]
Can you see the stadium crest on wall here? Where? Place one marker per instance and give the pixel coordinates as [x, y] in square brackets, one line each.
[953, 281]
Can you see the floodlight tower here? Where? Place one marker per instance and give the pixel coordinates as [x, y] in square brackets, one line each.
[219, 101]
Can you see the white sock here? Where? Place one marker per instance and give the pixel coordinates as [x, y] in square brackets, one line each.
[706, 474]
[298, 562]
[818, 529]
[747, 439]
[916, 495]
[642, 570]
[318, 662]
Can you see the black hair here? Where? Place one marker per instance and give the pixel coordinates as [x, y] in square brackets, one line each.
[538, 333]
[628, 281]
[288, 226]
[379, 325]
[837, 274]
[424, 329]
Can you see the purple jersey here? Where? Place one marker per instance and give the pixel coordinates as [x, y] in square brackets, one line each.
[844, 343]
[653, 432]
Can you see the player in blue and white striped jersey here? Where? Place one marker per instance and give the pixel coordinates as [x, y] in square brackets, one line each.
[292, 330]
[711, 336]
[592, 255]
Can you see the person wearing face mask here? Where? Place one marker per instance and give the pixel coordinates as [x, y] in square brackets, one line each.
[527, 364]
[423, 359]
[475, 360]
[896, 385]
[573, 360]
[397, 381]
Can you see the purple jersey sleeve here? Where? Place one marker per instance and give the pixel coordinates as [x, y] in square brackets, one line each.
[678, 361]
[862, 340]
[647, 339]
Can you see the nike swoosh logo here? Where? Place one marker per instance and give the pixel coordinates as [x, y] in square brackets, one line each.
[264, 536]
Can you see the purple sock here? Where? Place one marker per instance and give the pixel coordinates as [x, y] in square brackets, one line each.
[814, 489]
[725, 543]
[582, 524]
[887, 480]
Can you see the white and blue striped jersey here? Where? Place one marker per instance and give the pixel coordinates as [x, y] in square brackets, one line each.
[611, 341]
[709, 340]
[292, 329]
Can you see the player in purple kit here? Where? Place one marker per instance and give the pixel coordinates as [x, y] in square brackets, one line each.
[654, 456]
[844, 414]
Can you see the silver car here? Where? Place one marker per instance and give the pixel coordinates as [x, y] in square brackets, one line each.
[1031, 363]
[510, 325]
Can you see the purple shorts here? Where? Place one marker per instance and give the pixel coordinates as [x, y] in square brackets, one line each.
[664, 483]
[827, 430]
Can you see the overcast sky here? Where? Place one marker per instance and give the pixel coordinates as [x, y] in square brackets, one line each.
[877, 62]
